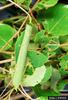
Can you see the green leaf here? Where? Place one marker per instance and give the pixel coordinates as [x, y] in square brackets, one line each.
[26, 3]
[20, 66]
[53, 47]
[29, 70]
[37, 59]
[63, 72]
[56, 76]
[57, 20]
[42, 98]
[62, 84]
[49, 3]
[19, 1]
[41, 38]
[2, 1]
[35, 78]
[53, 44]
[39, 92]
[2, 76]
[64, 40]
[47, 75]
[6, 32]
[64, 62]
[46, 4]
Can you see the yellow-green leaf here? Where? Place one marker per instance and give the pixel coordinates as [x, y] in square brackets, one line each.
[35, 78]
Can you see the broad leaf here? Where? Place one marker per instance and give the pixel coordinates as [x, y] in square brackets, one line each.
[53, 47]
[37, 59]
[56, 76]
[53, 44]
[46, 4]
[35, 78]
[57, 20]
[63, 72]
[19, 1]
[41, 38]
[62, 84]
[26, 3]
[6, 32]
[49, 3]
[64, 62]
[39, 92]
[64, 40]
[47, 75]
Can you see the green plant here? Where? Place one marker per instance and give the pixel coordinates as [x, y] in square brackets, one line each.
[38, 49]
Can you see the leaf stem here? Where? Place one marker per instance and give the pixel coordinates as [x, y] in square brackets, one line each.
[1, 97]
[26, 93]
[6, 6]
[3, 69]
[21, 9]
[60, 45]
[16, 34]
[64, 44]
[5, 88]
[5, 61]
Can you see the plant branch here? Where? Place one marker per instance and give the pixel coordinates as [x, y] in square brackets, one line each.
[26, 93]
[38, 24]
[21, 8]
[16, 34]
[35, 4]
[60, 45]
[5, 88]
[7, 52]
[5, 61]
[3, 69]
[1, 97]
[16, 97]
[6, 6]
[64, 44]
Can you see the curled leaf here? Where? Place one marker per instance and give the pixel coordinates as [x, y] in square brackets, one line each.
[36, 77]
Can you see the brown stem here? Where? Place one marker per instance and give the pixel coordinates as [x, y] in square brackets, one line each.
[64, 44]
[5, 61]
[7, 52]
[6, 6]
[38, 24]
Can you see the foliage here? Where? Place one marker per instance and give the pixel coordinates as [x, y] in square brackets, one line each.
[4, 37]
[36, 41]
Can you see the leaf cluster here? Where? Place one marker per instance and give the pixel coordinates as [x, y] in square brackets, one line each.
[36, 41]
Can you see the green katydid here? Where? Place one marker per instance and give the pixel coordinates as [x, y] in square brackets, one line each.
[20, 66]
